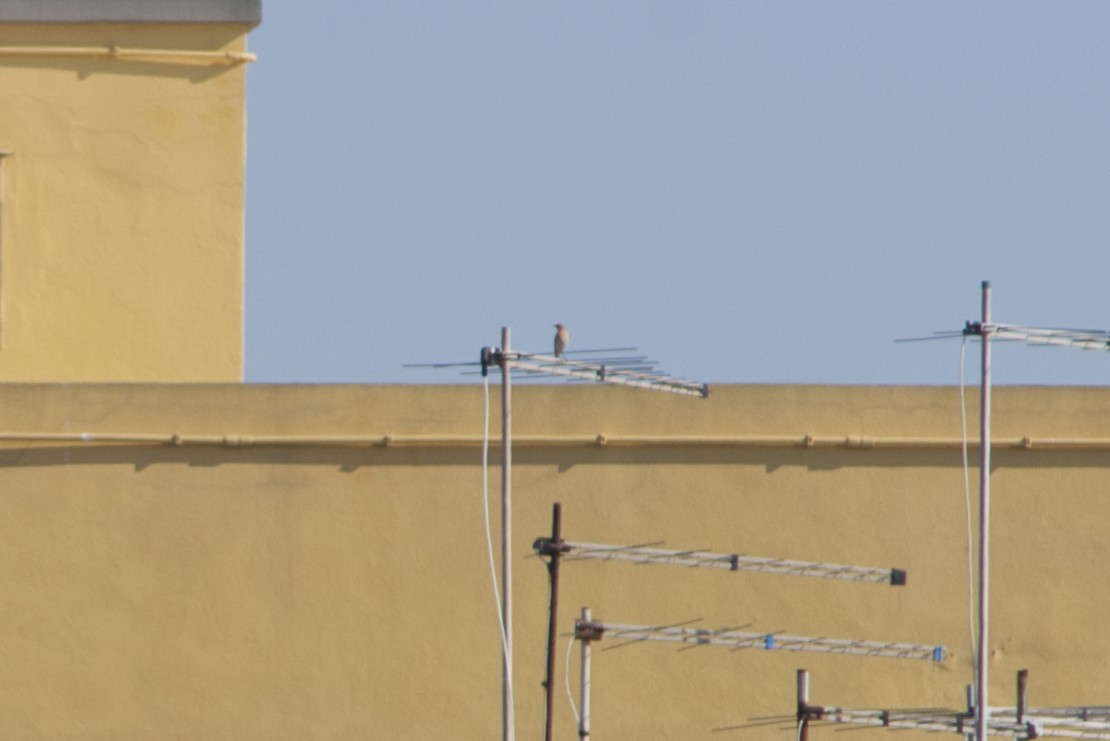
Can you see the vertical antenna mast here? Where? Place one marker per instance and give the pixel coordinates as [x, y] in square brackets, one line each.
[803, 705]
[585, 631]
[982, 710]
[553, 549]
[507, 730]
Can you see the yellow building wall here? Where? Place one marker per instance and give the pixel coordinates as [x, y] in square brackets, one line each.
[121, 236]
[309, 562]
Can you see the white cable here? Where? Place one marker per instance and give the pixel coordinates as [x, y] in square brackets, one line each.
[967, 503]
[493, 567]
[566, 682]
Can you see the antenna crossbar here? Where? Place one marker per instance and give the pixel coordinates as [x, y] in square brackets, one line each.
[604, 373]
[1099, 713]
[1035, 722]
[736, 640]
[733, 562]
[1020, 722]
[1088, 339]
[951, 721]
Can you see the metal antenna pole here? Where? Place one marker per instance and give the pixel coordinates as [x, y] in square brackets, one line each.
[508, 733]
[982, 709]
[584, 693]
[803, 705]
[969, 734]
[554, 550]
[1022, 695]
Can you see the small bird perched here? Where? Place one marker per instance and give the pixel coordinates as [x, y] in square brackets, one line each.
[562, 339]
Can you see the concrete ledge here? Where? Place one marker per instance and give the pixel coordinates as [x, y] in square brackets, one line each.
[131, 11]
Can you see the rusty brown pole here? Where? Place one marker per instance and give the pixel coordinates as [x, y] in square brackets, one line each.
[1022, 694]
[553, 548]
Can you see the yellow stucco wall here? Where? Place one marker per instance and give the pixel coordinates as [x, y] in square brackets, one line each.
[277, 572]
[121, 242]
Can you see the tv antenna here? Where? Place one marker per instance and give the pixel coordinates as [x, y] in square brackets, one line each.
[587, 630]
[643, 554]
[736, 639]
[1020, 722]
[987, 331]
[601, 366]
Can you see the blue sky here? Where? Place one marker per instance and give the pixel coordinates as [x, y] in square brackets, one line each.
[767, 192]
